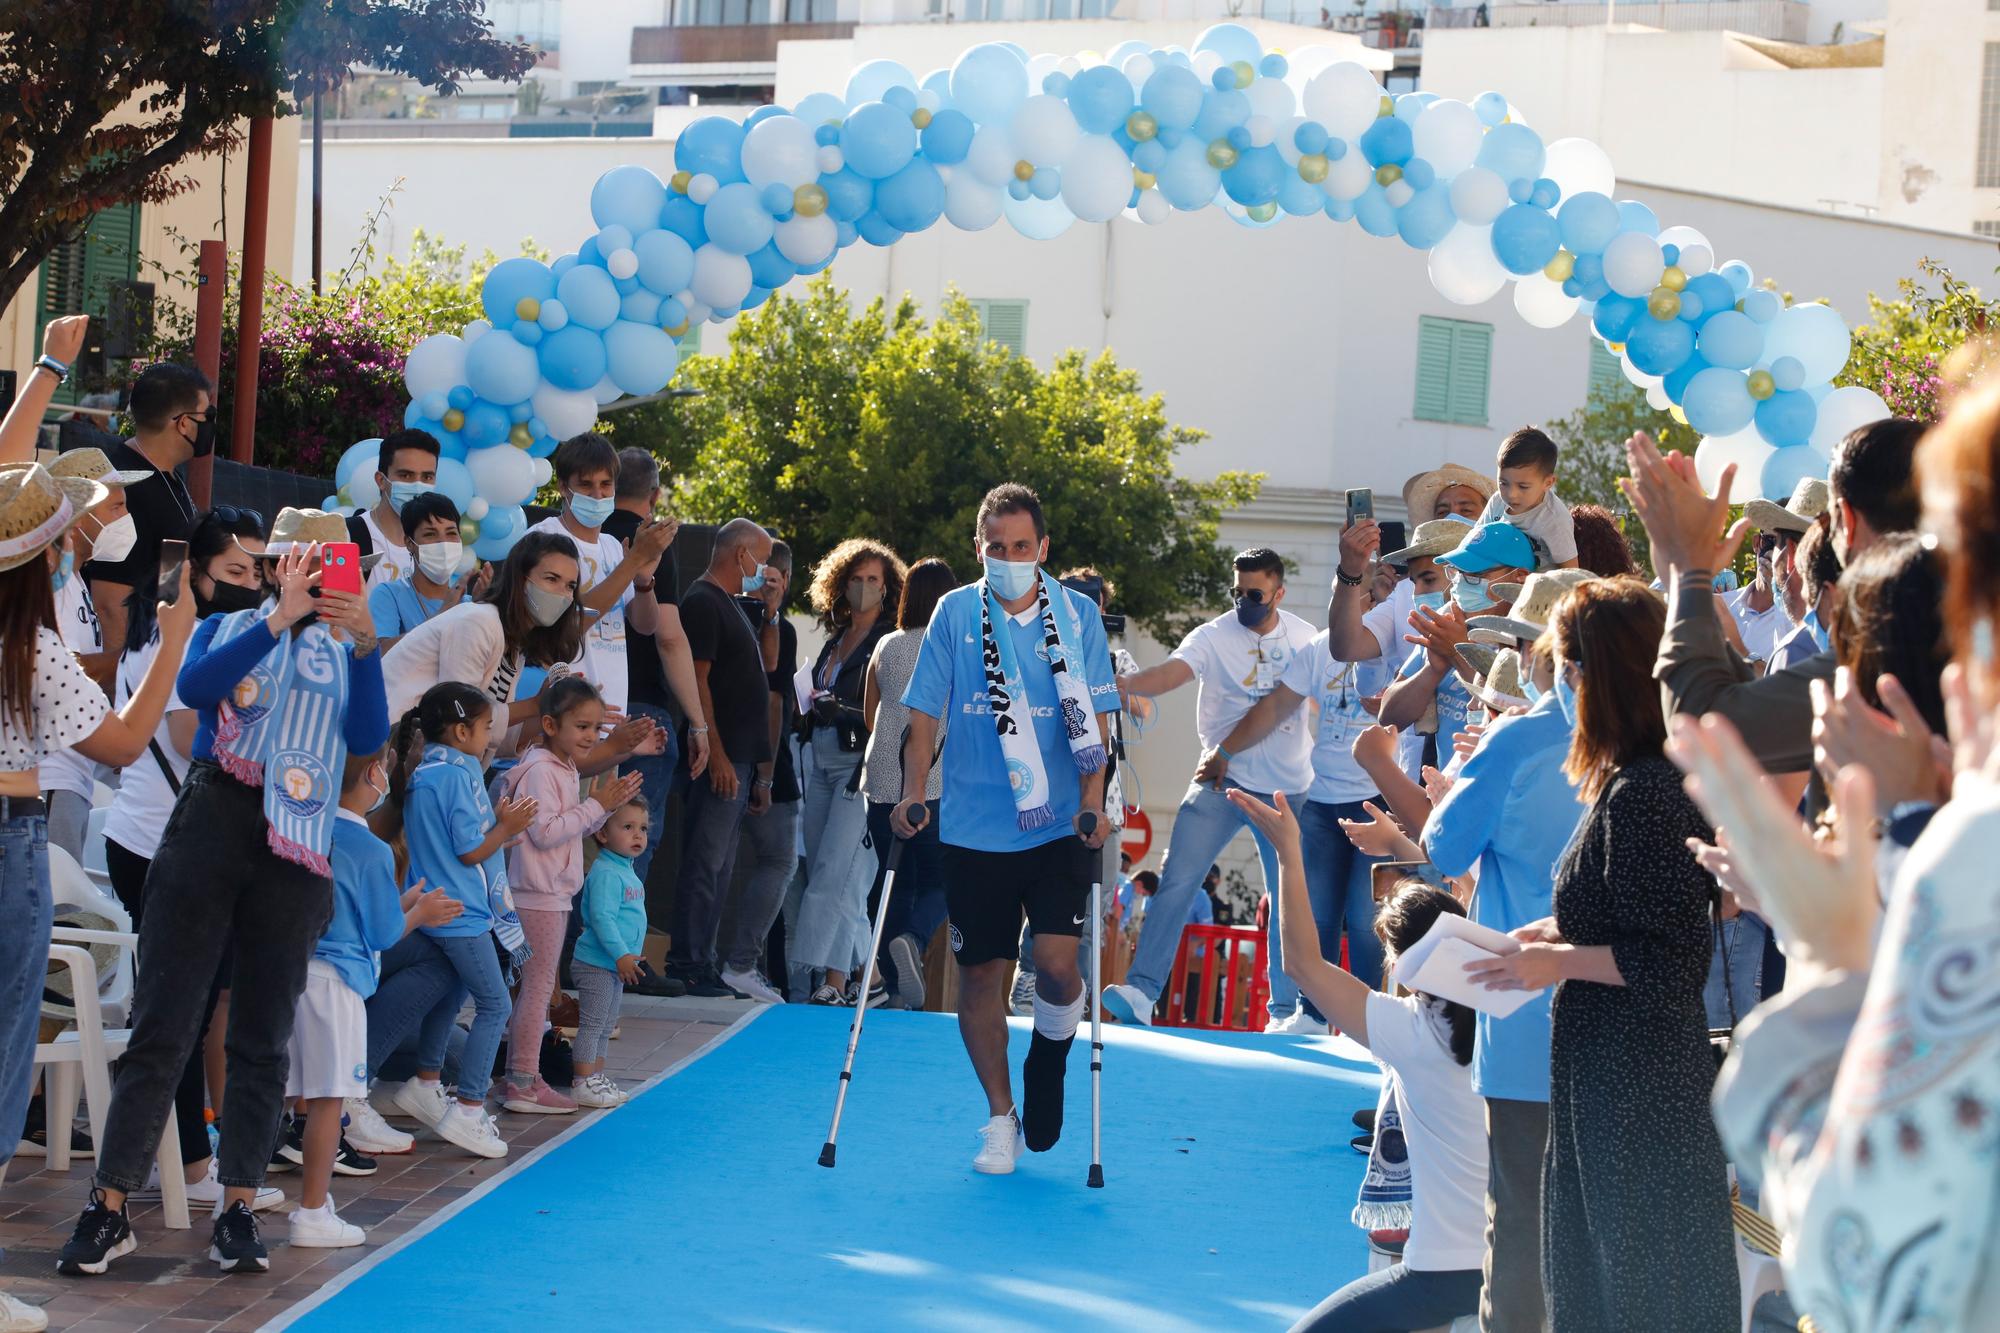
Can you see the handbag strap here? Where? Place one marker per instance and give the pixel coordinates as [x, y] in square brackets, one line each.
[166, 769]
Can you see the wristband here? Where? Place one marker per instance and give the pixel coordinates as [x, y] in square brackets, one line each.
[53, 366]
[1340, 577]
[1224, 753]
[697, 731]
[646, 586]
[761, 782]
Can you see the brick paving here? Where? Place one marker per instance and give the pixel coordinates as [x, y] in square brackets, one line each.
[170, 1283]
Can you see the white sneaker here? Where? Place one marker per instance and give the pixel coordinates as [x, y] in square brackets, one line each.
[20, 1317]
[321, 1229]
[382, 1096]
[752, 985]
[592, 1093]
[208, 1190]
[1001, 1144]
[473, 1130]
[606, 1084]
[423, 1102]
[1128, 1004]
[1298, 1021]
[368, 1132]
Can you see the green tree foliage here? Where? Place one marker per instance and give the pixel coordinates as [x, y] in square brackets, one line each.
[826, 423]
[1902, 349]
[1592, 442]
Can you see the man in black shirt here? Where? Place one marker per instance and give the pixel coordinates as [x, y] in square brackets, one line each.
[173, 413]
[731, 675]
[659, 662]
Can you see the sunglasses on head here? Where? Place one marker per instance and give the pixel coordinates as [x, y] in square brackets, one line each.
[242, 522]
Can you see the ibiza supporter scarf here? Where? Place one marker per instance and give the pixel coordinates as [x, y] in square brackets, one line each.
[1384, 1204]
[493, 870]
[1007, 695]
[281, 730]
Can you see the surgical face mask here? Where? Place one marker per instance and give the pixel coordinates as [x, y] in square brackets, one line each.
[402, 492]
[1530, 691]
[64, 568]
[1817, 630]
[1434, 600]
[229, 598]
[591, 510]
[1566, 696]
[545, 608]
[863, 596]
[1010, 578]
[755, 578]
[115, 540]
[438, 561]
[1470, 594]
[381, 792]
[1250, 613]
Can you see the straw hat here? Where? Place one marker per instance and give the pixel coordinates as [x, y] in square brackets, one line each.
[1479, 657]
[1433, 539]
[1420, 493]
[1810, 498]
[304, 527]
[93, 465]
[36, 509]
[1532, 609]
[1500, 687]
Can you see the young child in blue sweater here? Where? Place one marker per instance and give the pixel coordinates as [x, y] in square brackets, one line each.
[609, 950]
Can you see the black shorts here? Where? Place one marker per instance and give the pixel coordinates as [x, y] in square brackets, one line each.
[986, 892]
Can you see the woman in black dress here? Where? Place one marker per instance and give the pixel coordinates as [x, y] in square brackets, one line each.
[1636, 1226]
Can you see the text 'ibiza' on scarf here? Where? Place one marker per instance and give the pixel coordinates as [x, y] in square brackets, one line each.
[281, 729]
[1007, 696]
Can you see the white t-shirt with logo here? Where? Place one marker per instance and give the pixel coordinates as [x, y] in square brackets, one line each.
[395, 562]
[604, 661]
[1237, 667]
[1389, 621]
[1444, 1125]
[138, 818]
[1336, 690]
[76, 622]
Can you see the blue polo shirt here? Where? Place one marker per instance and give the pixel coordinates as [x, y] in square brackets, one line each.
[398, 607]
[446, 814]
[977, 807]
[1512, 811]
[367, 909]
[1454, 701]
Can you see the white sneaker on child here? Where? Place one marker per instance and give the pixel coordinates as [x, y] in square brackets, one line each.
[369, 1132]
[208, 1190]
[20, 1317]
[321, 1229]
[592, 1092]
[473, 1130]
[425, 1102]
[604, 1081]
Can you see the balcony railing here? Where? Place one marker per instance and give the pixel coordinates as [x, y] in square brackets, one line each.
[726, 43]
[1779, 20]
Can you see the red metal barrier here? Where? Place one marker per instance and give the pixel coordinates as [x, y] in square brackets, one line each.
[1230, 977]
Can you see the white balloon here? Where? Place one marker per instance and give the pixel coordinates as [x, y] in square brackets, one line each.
[1399, 192]
[702, 188]
[1303, 64]
[992, 155]
[1540, 301]
[361, 489]
[780, 150]
[1038, 219]
[1447, 135]
[1746, 449]
[1045, 130]
[621, 263]
[830, 159]
[503, 474]
[1348, 178]
[1636, 375]
[1287, 140]
[435, 365]
[1138, 68]
[1847, 408]
[930, 100]
[1478, 196]
[1096, 180]
[1632, 264]
[476, 330]
[1464, 268]
[721, 280]
[1271, 99]
[1205, 64]
[969, 203]
[606, 392]
[1697, 255]
[478, 509]
[1071, 65]
[806, 241]
[1657, 399]
[543, 471]
[566, 412]
[1345, 98]
[1154, 208]
[1579, 166]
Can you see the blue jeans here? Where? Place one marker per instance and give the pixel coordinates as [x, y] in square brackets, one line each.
[1743, 937]
[1205, 824]
[25, 918]
[1340, 882]
[656, 774]
[478, 968]
[832, 928]
[416, 978]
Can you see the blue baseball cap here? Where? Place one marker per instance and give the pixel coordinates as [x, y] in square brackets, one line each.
[1492, 546]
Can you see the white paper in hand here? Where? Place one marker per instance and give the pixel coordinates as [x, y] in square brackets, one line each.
[1435, 965]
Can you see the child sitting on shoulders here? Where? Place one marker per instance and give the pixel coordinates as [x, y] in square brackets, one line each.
[1527, 496]
[329, 1046]
[609, 950]
[545, 869]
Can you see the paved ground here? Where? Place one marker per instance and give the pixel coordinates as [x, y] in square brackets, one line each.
[169, 1283]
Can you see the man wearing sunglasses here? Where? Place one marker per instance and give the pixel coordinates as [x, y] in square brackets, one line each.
[173, 419]
[1759, 607]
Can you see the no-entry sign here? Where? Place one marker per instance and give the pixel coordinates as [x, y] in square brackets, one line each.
[1138, 834]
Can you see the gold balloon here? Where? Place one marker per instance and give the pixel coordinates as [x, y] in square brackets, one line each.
[1678, 415]
[1142, 179]
[1387, 107]
[453, 419]
[1221, 155]
[678, 330]
[678, 182]
[520, 437]
[468, 531]
[1388, 174]
[1762, 386]
[1618, 348]
[1313, 168]
[920, 118]
[1245, 72]
[1561, 267]
[1262, 212]
[1673, 279]
[1024, 170]
[1663, 305]
[809, 201]
[527, 308]
[1141, 126]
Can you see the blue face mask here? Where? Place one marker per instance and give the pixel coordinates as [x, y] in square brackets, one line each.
[1250, 613]
[1566, 697]
[1434, 600]
[1531, 691]
[1811, 622]
[592, 510]
[1010, 578]
[402, 492]
[64, 569]
[1470, 594]
[754, 579]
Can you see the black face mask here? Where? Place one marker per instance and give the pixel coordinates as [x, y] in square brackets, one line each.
[203, 443]
[230, 598]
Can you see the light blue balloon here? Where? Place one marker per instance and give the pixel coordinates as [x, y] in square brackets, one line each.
[628, 197]
[641, 307]
[876, 141]
[1588, 223]
[1635, 216]
[769, 269]
[1737, 274]
[1301, 198]
[1100, 98]
[521, 412]
[368, 452]
[1513, 152]
[1231, 41]
[912, 199]
[572, 358]
[1186, 178]
[1046, 183]
[1525, 238]
[1491, 108]
[903, 99]
[1616, 316]
[511, 281]
[454, 481]
[1220, 113]
[1786, 468]
[937, 81]
[1763, 306]
[1786, 418]
[501, 521]
[500, 370]
[1388, 142]
[875, 230]
[526, 332]
[434, 405]
[817, 109]
[1375, 213]
[666, 262]
[989, 83]
[874, 78]
[710, 146]
[848, 195]
[1715, 294]
[948, 136]
[1658, 346]
[1718, 401]
[1149, 156]
[1427, 218]
[486, 424]
[640, 358]
[1173, 96]
[589, 295]
[736, 221]
[1676, 381]
[1731, 338]
[1256, 177]
[1788, 373]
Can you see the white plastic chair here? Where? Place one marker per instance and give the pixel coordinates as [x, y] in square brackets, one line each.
[87, 1053]
[71, 887]
[94, 863]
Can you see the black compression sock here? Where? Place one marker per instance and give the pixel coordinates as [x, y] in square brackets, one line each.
[1042, 1091]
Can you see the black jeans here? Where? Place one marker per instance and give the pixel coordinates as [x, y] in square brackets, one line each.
[215, 875]
[128, 880]
[916, 905]
[708, 845]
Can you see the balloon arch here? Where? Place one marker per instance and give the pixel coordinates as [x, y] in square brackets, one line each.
[1045, 142]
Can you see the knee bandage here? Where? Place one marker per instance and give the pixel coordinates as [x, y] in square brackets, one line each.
[1055, 1021]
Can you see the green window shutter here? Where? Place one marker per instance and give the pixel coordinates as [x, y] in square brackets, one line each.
[1004, 322]
[1433, 369]
[689, 343]
[1607, 375]
[1471, 371]
[77, 276]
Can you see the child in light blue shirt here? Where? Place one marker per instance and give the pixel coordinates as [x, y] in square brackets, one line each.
[609, 952]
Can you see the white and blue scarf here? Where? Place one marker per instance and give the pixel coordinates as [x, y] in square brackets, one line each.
[1384, 1204]
[1013, 718]
[281, 729]
[493, 870]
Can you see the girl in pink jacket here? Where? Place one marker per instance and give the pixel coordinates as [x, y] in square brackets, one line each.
[545, 869]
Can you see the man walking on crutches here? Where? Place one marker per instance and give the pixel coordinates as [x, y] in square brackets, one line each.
[1019, 664]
